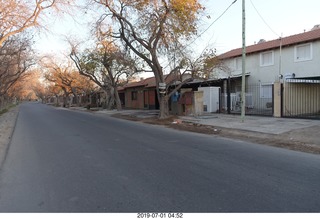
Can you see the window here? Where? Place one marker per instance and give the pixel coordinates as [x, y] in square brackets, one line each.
[134, 95]
[267, 58]
[303, 52]
[238, 63]
[266, 91]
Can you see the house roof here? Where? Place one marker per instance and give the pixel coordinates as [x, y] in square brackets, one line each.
[149, 82]
[142, 83]
[286, 41]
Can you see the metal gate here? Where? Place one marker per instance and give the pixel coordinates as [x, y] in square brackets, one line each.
[301, 98]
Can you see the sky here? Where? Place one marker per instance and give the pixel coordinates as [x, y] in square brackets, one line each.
[265, 19]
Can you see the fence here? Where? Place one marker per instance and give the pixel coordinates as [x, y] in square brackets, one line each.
[259, 100]
[301, 99]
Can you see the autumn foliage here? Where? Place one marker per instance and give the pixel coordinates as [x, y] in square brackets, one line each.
[17, 16]
[154, 30]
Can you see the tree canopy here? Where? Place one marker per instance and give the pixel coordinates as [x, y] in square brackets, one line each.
[19, 15]
[16, 53]
[152, 30]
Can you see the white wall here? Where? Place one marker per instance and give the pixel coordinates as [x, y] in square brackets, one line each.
[211, 98]
[270, 74]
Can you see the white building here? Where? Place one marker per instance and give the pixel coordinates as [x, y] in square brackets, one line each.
[267, 60]
[293, 60]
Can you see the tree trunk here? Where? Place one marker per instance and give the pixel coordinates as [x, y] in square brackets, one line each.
[75, 96]
[77, 100]
[117, 99]
[65, 101]
[57, 100]
[164, 107]
[110, 100]
[104, 99]
[111, 103]
[70, 100]
[1, 102]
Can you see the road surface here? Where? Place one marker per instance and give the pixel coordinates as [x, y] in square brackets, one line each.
[69, 161]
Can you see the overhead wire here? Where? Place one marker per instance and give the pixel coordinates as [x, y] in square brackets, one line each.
[213, 23]
[218, 18]
[264, 21]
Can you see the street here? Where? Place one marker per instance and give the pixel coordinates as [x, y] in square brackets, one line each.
[70, 161]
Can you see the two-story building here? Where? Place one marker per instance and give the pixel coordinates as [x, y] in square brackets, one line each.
[293, 61]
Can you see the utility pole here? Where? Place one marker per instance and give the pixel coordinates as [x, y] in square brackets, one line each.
[243, 84]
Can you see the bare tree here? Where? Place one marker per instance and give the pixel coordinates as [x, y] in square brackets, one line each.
[66, 78]
[15, 61]
[18, 15]
[150, 29]
[51, 90]
[107, 66]
[21, 90]
[39, 91]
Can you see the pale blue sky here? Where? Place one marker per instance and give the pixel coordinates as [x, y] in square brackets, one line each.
[285, 17]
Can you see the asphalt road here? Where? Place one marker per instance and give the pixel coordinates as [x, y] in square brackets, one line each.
[68, 161]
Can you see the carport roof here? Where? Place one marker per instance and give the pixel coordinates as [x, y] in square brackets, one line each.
[312, 80]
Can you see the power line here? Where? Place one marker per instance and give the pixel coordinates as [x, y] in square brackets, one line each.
[206, 30]
[219, 17]
[264, 19]
[213, 22]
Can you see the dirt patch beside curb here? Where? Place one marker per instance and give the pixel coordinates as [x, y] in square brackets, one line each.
[7, 124]
[281, 140]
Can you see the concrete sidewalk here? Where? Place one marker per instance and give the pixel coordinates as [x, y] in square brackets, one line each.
[298, 131]
[291, 130]
[268, 125]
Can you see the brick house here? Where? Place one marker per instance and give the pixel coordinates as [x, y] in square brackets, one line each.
[140, 95]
